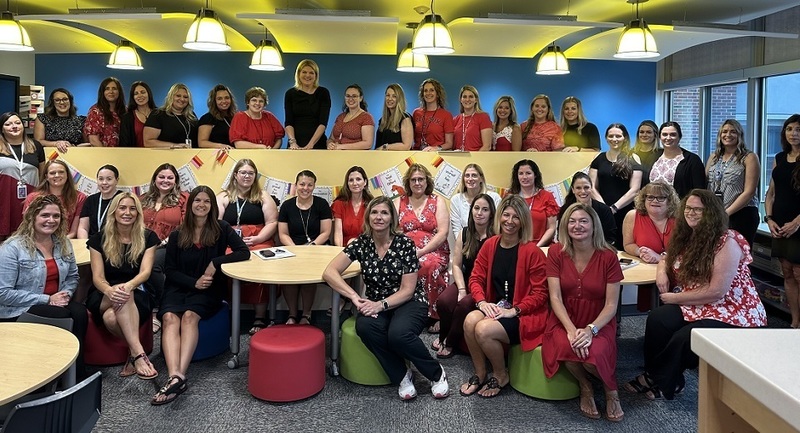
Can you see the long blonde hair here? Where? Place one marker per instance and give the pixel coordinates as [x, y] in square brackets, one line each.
[389, 120]
[254, 195]
[25, 232]
[112, 247]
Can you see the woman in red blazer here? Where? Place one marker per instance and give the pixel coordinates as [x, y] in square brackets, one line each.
[509, 286]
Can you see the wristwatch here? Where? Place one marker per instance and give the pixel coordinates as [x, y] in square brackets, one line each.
[516, 309]
[594, 329]
[767, 218]
[385, 305]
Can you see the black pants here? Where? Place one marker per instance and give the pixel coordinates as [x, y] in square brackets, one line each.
[452, 314]
[80, 320]
[745, 221]
[155, 285]
[393, 337]
[667, 346]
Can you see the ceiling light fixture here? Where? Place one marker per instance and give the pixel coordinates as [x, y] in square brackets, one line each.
[206, 33]
[433, 37]
[636, 41]
[266, 57]
[409, 61]
[13, 36]
[125, 56]
[552, 61]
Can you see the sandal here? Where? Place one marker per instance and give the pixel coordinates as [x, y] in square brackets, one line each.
[473, 381]
[445, 352]
[305, 320]
[434, 329]
[491, 385]
[648, 388]
[156, 325]
[258, 324]
[291, 321]
[588, 413]
[436, 345]
[170, 390]
[144, 357]
[614, 416]
[128, 369]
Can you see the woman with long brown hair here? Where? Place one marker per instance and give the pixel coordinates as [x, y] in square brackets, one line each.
[433, 124]
[103, 120]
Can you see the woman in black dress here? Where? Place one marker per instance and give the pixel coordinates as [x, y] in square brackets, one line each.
[783, 212]
[122, 257]
[195, 286]
[307, 106]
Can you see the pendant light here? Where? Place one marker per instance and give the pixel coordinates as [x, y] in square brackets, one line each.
[433, 37]
[409, 61]
[125, 56]
[267, 57]
[552, 62]
[637, 41]
[206, 33]
[13, 36]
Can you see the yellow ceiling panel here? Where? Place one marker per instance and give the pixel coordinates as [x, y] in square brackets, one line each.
[56, 38]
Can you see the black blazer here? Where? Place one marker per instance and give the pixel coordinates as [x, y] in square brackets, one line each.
[689, 174]
[127, 133]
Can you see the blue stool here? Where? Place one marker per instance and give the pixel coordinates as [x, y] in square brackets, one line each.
[214, 335]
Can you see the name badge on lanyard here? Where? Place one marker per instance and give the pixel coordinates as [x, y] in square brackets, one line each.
[22, 190]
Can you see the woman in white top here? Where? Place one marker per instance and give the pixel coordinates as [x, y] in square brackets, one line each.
[473, 182]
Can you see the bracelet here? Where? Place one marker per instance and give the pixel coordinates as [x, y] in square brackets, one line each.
[614, 208]
[462, 289]
[478, 304]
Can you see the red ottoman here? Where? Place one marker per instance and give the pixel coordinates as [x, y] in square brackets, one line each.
[102, 348]
[287, 363]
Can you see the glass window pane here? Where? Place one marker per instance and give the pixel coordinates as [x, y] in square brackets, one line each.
[727, 102]
[685, 109]
[780, 102]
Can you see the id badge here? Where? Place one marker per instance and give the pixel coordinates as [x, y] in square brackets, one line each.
[22, 191]
[238, 232]
[188, 142]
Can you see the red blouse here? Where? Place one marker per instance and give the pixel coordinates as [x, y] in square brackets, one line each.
[467, 135]
[645, 233]
[352, 223]
[432, 125]
[542, 206]
[265, 130]
[163, 221]
[543, 137]
[350, 131]
[96, 125]
[51, 282]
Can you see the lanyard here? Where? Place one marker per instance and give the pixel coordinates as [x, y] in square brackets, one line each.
[464, 127]
[239, 209]
[19, 159]
[101, 216]
[186, 128]
[426, 125]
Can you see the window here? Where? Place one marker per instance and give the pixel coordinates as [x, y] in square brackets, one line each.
[684, 107]
[728, 101]
[780, 102]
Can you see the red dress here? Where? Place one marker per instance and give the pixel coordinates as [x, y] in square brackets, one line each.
[645, 233]
[352, 223]
[350, 131]
[264, 130]
[584, 296]
[165, 220]
[542, 206]
[432, 266]
[467, 135]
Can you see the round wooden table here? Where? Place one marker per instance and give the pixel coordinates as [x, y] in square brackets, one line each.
[32, 355]
[306, 267]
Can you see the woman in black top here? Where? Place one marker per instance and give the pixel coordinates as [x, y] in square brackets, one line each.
[303, 220]
[174, 125]
[307, 107]
[95, 208]
[580, 191]
[455, 302]
[195, 285]
[396, 127]
[140, 105]
[213, 127]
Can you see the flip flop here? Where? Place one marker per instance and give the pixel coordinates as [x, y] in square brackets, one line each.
[474, 380]
[128, 369]
[258, 324]
[493, 384]
[650, 390]
[147, 361]
[451, 352]
[305, 320]
[434, 329]
[170, 391]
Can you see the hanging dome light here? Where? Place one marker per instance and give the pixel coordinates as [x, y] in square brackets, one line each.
[13, 36]
[125, 56]
[432, 37]
[267, 57]
[206, 33]
[409, 61]
[637, 41]
[552, 62]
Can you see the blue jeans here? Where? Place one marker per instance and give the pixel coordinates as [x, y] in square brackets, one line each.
[393, 337]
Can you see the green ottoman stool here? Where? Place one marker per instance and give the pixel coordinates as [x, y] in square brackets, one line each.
[526, 372]
[358, 364]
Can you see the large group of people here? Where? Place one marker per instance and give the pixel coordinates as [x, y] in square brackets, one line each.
[162, 251]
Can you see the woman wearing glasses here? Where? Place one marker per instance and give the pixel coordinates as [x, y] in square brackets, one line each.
[354, 128]
[60, 126]
[704, 282]
[648, 226]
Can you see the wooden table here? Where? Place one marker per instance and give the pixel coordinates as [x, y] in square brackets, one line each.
[32, 355]
[643, 273]
[81, 251]
[748, 380]
[306, 267]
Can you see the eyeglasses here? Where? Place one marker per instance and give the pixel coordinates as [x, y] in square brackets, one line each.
[247, 173]
[656, 198]
[693, 210]
[61, 100]
[351, 96]
[417, 180]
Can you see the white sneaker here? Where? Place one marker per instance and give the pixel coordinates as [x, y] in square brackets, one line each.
[440, 388]
[406, 389]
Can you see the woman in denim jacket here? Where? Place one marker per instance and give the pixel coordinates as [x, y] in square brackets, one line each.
[38, 273]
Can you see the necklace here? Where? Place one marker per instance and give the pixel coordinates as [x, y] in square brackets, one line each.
[351, 115]
[464, 128]
[141, 115]
[305, 222]
[186, 128]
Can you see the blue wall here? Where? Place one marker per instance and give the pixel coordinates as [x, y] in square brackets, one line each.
[611, 91]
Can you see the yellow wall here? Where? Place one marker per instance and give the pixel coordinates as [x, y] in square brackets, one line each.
[136, 165]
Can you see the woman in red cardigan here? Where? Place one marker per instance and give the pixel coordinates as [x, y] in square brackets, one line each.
[509, 286]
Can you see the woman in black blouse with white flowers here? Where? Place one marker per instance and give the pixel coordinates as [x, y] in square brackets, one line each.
[394, 310]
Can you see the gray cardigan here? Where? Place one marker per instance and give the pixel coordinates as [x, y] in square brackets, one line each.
[22, 276]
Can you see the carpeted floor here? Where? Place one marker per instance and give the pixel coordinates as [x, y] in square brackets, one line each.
[218, 401]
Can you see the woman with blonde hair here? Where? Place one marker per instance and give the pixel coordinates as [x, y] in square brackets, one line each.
[395, 127]
[579, 134]
[213, 127]
[541, 133]
[174, 125]
[122, 257]
[253, 214]
[433, 124]
[473, 183]
[307, 107]
[57, 180]
[506, 133]
[646, 147]
[473, 126]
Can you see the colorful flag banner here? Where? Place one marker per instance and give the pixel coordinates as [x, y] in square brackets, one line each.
[437, 161]
[53, 156]
[196, 161]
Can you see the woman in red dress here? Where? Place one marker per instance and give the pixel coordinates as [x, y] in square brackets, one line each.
[424, 218]
[354, 128]
[506, 134]
[473, 127]
[526, 181]
[583, 276]
[349, 205]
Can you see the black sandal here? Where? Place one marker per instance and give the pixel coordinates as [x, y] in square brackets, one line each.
[170, 390]
[635, 386]
[307, 319]
[258, 324]
[492, 383]
[473, 381]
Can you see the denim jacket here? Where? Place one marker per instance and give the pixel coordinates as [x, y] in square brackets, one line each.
[22, 276]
